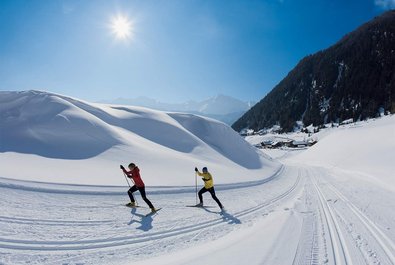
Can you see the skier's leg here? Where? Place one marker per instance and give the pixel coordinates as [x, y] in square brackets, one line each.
[212, 192]
[130, 193]
[142, 192]
[203, 190]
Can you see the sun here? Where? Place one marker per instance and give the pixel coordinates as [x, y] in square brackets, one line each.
[122, 27]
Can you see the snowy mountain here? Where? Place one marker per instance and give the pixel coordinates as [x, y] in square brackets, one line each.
[353, 79]
[221, 107]
[49, 133]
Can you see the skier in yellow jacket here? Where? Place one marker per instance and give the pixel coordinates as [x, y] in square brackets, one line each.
[208, 186]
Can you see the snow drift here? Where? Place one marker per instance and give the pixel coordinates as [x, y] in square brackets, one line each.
[42, 134]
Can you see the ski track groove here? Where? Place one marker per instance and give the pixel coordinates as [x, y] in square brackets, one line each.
[384, 242]
[324, 231]
[151, 242]
[307, 249]
[20, 220]
[340, 252]
[120, 241]
[337, 224]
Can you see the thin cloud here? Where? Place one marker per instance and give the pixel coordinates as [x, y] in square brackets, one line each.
[67, 8]
[385, 4]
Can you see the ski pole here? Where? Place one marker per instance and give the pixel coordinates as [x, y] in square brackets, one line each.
[196, 188]
[126, 179]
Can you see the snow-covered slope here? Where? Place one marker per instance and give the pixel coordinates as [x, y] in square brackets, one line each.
[365, 149]
[53, 138]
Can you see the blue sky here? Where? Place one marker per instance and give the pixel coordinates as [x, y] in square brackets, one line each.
[180, 49]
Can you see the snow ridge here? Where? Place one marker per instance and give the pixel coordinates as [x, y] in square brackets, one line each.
[41, 128]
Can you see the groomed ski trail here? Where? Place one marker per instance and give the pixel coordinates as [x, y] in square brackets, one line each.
[51, 240]
[320, 224]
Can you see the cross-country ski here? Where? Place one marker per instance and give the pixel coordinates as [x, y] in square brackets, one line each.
[153, 212]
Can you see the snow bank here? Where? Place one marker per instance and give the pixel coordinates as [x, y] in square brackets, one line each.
[366, 149]
[53, 138]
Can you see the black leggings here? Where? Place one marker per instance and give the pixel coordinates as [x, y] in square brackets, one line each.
[212, 192]
[142, 192]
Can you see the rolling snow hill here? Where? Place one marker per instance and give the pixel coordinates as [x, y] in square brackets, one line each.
[53, 138]
[221, 107]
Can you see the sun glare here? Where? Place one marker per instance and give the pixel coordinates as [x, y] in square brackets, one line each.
[122, 27]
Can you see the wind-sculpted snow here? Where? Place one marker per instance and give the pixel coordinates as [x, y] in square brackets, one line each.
[66, 140]
[49, 126]
[217, 135]
[158, 127]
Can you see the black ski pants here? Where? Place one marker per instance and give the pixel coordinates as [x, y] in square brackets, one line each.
[212, 192]
[142, 192]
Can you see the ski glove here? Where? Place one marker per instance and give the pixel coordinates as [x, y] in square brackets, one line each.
[121, 167]
[196, 170]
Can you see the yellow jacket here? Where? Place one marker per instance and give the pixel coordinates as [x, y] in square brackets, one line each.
[208, 179]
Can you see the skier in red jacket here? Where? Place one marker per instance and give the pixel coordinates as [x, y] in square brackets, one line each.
[134, 174]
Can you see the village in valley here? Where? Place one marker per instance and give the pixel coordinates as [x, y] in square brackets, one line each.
[301, 138]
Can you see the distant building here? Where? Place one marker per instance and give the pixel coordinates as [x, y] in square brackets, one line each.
[347, 121]
[300, 144]
[269, 144]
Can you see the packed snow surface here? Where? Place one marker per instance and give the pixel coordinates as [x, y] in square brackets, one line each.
[364, 149]
[330, 204]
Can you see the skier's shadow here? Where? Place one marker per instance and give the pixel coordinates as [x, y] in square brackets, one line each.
[145, 221]
[226, 217]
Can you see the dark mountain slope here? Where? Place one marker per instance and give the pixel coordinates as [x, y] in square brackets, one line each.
[355, 78]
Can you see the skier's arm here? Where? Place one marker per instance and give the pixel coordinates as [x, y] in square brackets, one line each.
[200, 174]
[128, 173]
[206, 177]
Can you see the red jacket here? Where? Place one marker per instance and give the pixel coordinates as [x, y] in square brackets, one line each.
[135, 175]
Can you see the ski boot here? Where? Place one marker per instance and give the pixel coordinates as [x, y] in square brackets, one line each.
[131, 204]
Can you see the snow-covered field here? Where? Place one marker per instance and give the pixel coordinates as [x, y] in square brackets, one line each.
[330, 204]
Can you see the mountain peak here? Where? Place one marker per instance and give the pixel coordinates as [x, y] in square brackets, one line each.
[222, 107]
